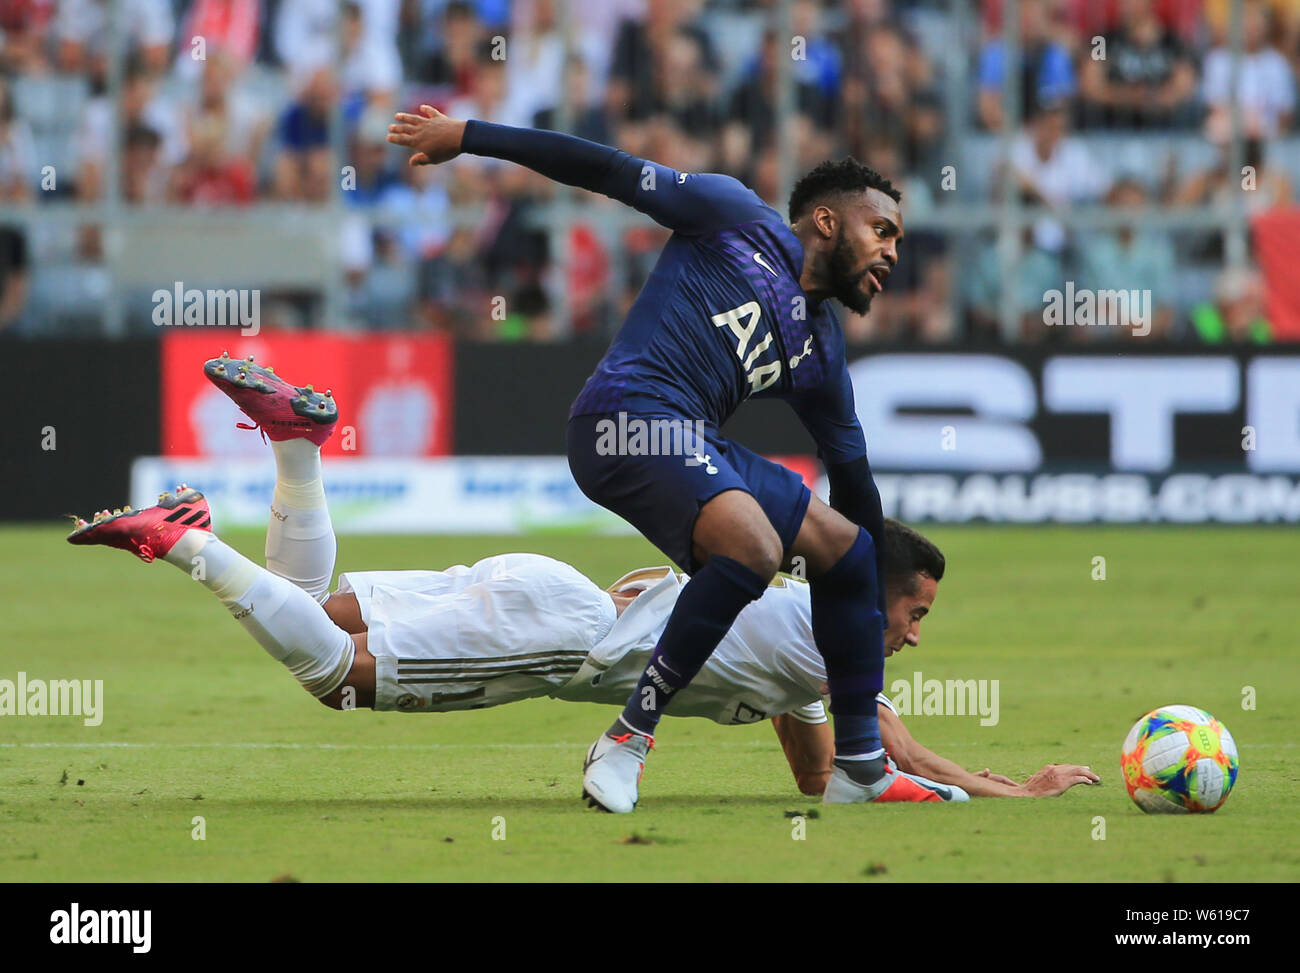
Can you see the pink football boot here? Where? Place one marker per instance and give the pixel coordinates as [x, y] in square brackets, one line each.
[282, 411]
[147, 533]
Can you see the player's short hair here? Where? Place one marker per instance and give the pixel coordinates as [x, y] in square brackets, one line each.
[908, 554]
[833, 179]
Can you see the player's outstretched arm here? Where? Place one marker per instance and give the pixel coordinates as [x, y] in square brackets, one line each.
[694, 203]
[810, 748]
[1051, 781]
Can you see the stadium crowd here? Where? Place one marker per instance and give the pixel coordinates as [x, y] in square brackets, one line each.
[233, 103]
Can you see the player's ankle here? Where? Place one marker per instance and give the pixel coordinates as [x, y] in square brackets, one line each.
[862, 769]
[621, 727]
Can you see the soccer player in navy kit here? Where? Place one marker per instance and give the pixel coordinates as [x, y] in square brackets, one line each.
[736, 307]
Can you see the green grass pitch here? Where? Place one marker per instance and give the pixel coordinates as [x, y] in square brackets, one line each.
[198, 722]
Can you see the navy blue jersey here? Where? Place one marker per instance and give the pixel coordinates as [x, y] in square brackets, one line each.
[722, 317]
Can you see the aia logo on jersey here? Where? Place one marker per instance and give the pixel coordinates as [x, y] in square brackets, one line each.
[753, 342]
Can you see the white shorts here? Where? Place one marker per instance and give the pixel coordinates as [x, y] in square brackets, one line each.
[509, 628]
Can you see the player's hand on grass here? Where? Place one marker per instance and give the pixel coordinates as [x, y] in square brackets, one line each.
[1055, 779]
[434, 137]
[998, 778]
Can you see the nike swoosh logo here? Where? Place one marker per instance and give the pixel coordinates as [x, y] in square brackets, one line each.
[758, 259]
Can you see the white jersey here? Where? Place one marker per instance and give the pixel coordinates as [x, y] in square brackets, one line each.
[767, 663]
[518, 626]
[507, 628]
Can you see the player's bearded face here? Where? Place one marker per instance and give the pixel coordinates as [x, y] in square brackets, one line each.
[846, 283]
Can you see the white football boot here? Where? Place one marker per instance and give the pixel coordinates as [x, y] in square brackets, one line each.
[946, 792]
[612, 771]
[894, 785]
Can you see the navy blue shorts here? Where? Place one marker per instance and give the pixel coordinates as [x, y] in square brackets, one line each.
[659, 483]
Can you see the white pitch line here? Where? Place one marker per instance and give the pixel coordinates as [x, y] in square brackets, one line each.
[749, 745]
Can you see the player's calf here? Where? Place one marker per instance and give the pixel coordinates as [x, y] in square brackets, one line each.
[300, 544]
[847, 628]
[284, 619]
[743, 553]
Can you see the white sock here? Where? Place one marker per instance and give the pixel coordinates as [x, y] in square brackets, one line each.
[293, 628]
[300, 545]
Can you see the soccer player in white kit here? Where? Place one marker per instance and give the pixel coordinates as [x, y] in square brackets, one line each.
[510, 627]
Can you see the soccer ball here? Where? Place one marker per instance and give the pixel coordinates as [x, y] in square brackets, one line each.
[1179, 759]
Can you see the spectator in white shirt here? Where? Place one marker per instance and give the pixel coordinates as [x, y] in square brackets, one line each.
[535, 63]
[306, 35]
[1053, 169]
[1265, 94]
[141, 104]
[371, 69]
[81, 27]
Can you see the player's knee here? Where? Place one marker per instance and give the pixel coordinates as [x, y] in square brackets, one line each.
[757, 548]
[344, 610]
[761, 553]
[333, 700]
[340, 698]
[772, 556]
[357, 690]
[855, 571]
[348, 697]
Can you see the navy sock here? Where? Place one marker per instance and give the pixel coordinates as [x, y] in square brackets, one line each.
[846, 624]
[705, 610]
